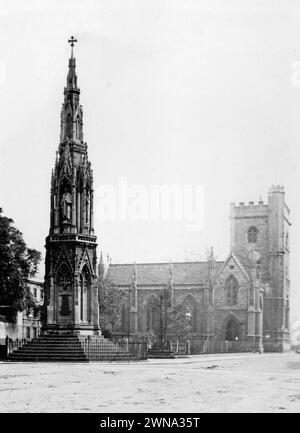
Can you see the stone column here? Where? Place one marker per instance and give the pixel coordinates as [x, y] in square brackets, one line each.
[51, 210]
[73, 230]
[251, 326]
[51, 306]
[83, 196]
[76, 299]
[259, 321]
[92, 213]
[94, 307]
[92, 205]
[74, 127]
[133, 310]
[78, 212]
[56, 213]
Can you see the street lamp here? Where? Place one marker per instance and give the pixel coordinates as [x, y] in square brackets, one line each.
[188, 316]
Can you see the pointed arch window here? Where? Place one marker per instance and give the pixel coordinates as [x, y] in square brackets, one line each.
[252, 235]
[231, 291]
[64, 278]
[152, 315]
[190, 307]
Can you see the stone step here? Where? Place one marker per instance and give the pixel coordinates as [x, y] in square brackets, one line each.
[69, 348]
[48, 359]
[52, 350]
[46, 355]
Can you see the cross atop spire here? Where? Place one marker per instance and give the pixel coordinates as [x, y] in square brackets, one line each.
[72, 41]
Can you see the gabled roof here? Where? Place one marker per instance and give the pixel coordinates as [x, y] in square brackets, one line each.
[159, 273]
[238, 263]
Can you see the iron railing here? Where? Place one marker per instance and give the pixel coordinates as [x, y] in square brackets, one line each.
[102, 349]
[11, 345]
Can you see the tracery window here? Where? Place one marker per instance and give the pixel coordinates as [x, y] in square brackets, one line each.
[190, 307]
[252, 234]
[231, 290]
[152, 315]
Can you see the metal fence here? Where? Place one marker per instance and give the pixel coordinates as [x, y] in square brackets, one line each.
[102, 349]
[224, 346]
[192, 347]
[10, 345]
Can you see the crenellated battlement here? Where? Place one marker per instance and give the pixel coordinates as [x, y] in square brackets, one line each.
[250, 209]
[276, 188]
[243, 206]
[250, 204]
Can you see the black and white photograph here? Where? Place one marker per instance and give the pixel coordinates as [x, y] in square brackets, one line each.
[149, 210]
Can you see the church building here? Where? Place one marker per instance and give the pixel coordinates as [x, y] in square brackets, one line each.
[240, 304]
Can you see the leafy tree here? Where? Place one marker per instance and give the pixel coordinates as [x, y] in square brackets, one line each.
[17, 264]
[171, 318]
[111, 300]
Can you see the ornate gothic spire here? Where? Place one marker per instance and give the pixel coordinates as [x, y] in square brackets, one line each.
[71, 113]
[72, 194]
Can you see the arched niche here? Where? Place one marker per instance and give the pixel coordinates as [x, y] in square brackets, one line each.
[84, 294]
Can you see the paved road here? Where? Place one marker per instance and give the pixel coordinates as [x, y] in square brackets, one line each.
[204, 383]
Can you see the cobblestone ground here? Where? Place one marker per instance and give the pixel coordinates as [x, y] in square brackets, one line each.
[209, 383]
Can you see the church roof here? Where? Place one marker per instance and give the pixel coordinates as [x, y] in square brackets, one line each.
[182, 273]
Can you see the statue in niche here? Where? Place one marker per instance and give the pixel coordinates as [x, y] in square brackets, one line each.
[66, 206]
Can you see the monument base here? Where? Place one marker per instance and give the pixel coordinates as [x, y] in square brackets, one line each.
[70, 330]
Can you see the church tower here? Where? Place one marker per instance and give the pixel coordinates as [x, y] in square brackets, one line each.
[71, 265]
[260, 239]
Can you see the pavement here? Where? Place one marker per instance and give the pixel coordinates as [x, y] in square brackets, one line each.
[245, 382]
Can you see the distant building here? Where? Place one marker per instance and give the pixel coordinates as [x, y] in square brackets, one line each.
[31, 320]
[239, 304]
[28, 323]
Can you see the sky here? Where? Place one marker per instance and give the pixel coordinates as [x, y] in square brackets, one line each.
[174, 93]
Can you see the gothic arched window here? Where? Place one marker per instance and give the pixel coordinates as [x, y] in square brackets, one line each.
[152, 315]
[231, 291]
[64, 278]
[69, 123]
[190, 308]
[252, 234]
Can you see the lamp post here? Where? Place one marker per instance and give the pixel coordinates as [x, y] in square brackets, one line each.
[188, 316]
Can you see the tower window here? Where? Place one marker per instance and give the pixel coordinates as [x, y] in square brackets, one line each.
[252, 235]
